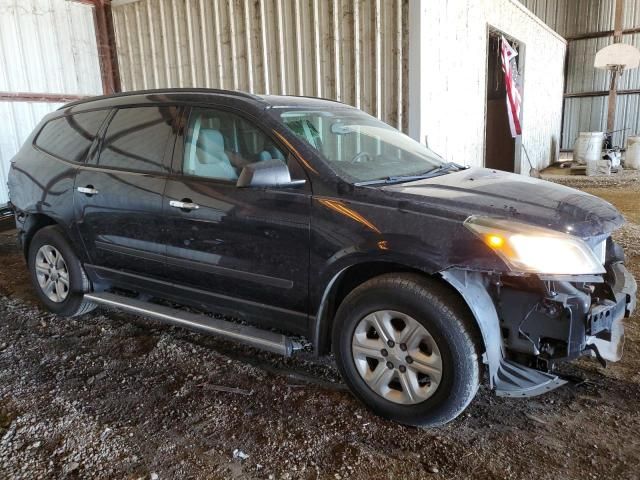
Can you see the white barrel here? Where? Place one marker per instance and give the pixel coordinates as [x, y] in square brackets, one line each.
[632, 156]
[588, 147]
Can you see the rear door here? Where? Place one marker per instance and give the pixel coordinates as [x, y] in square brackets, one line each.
[118, 198]
[244, 248]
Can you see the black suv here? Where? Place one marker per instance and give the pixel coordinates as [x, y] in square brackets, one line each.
[307, 217]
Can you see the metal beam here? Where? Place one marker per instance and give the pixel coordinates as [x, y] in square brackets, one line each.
[105, 39]
[600, 93]
[605, 33]
[39, 97]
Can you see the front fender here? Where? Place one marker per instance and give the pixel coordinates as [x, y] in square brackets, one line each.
[472, 288]
[376, 257]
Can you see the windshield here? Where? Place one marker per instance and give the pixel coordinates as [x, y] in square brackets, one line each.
[359, 146]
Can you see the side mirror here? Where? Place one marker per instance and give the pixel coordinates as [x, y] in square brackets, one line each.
[267, 173]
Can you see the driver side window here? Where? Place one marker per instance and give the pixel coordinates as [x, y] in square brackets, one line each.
[220, 144]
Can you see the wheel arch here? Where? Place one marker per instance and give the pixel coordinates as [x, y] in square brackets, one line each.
[32, 223]
[351, 277]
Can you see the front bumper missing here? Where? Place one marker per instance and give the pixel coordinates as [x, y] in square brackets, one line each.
[609, 342]
[507, 378]
[606, 331]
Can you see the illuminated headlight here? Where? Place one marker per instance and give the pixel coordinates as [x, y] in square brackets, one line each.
[529, 249]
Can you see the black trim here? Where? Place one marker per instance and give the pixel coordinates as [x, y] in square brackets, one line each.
[133, 252]
[295, 321]
[230, 272]
[195, 265]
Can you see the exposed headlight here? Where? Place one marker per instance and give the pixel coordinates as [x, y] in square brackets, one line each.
[529, 249]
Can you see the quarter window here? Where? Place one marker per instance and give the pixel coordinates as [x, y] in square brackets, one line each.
[137, 137]
[70, 137]
[220, 144]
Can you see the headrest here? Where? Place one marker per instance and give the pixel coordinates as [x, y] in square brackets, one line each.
[211, 140]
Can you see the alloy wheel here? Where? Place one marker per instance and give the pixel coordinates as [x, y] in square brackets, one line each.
[52, 273]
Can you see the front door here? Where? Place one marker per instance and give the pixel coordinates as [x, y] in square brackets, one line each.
[118, 198]
[245, 250]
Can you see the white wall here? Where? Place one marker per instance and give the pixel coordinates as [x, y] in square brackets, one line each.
[447, 70]
[46, 46]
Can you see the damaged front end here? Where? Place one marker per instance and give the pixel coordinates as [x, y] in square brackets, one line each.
[529, 322]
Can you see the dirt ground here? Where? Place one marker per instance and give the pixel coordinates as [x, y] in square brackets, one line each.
[110, 395]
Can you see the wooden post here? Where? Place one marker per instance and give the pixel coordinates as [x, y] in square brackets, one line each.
[105, 39]
[615, 71]
[613, 98]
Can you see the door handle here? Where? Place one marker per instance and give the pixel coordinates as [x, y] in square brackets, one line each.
[88, 190]
[184, 205]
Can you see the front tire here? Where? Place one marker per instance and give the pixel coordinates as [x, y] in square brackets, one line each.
[57, 274]
[406, 346]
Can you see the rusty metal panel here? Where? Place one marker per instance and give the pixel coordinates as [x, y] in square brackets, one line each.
[18, 121]
[48, 46]
[350, 50]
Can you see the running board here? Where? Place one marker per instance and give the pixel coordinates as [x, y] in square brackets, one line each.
[255, 337]
[515, 380]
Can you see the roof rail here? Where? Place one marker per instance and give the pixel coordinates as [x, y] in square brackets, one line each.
[162, 90]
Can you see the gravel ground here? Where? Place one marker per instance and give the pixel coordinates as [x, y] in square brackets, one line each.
[110, 395]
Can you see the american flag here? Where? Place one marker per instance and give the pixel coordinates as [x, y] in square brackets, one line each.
[514, 99]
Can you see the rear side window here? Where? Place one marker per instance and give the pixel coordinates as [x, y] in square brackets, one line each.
[71, 136]
[137, 137]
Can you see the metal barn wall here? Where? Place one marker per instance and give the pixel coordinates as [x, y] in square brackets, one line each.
[572, 18]
[46, 46]
[588, 114]
[349, 50]
[454, 72]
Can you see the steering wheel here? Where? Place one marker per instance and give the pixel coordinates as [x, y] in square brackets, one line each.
[361, 156]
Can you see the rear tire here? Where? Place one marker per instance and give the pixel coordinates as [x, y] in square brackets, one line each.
[429, 378]
[57, 274]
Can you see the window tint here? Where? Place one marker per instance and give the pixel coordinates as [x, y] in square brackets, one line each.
[220, 144]
[70, 137]
[136, 138]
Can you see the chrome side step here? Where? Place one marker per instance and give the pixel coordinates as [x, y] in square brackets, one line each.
[255, 337]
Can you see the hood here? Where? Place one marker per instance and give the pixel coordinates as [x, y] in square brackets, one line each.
[481, 191]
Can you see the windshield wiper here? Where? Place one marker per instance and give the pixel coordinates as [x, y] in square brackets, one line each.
[434, 172]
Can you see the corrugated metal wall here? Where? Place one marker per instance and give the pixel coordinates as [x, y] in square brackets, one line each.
[588, 114]
[456, 76]
[578, 17]
[46, 46]
[571, 18]
[355, 51]
[350, 50]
